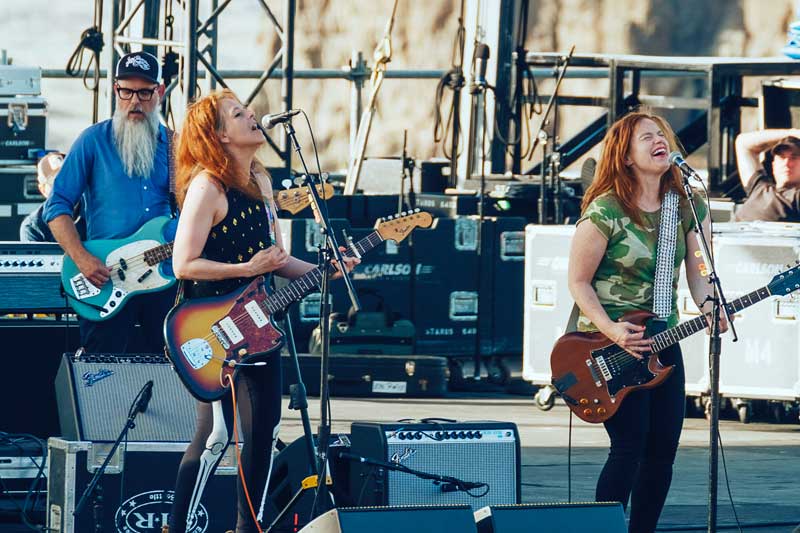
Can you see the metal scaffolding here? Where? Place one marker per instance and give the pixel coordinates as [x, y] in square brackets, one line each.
[198, 46]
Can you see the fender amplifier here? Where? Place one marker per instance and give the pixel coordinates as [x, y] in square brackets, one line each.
[30, 273]
[477, 452]
[94, 393]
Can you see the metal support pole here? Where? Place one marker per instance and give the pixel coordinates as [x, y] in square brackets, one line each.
[287, 93]
[114, 57]
[152, 12]
[358, 71]
[190, 53]
[213, 35]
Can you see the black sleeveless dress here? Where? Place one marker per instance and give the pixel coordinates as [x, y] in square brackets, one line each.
[235, 239]
[239, 236]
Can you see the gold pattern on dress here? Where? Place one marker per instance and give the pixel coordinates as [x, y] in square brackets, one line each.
[250, 249]
[235, 222]
[241, 214]
[224, 229]
[213, 234]
[258, 207]
[250, 210]
[261, 244]
[240, 257]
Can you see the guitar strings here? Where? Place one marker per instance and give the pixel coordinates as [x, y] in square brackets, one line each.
[238, 319]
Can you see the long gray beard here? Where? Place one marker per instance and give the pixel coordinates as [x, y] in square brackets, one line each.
[136, 142]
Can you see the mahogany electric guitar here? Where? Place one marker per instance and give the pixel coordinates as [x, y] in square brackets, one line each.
[207, 338]
[594, 375]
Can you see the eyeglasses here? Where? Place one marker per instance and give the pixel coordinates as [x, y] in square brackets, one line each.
[145, 95]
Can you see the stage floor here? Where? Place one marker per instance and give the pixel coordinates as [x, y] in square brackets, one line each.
[763, 459]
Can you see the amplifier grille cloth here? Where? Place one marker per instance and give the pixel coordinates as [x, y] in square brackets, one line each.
[488, 462]
[170, 416]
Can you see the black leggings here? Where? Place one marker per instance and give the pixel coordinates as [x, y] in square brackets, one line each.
[644, 437]
[258, 400]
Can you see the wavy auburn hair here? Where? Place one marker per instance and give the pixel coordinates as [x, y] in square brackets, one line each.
[199, 147]
[614, 176]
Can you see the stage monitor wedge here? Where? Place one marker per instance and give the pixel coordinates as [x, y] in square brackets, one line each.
[585, 517]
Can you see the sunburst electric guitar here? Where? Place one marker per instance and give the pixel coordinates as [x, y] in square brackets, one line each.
[206, 338]
[594, 375]
[140, 263]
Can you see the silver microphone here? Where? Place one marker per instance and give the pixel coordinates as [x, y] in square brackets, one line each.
[270, 121]
[675, 158]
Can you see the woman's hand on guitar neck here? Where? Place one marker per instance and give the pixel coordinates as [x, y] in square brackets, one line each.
[630, 337]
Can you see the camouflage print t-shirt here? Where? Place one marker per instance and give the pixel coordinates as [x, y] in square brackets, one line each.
[624, 279]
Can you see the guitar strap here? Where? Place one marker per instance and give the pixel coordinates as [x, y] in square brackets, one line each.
[665, 256]
[173, 202]
[665, 263]
[180, 292]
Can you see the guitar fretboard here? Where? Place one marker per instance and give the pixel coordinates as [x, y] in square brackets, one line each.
[690, 327]
[154, 256]
[311, 280]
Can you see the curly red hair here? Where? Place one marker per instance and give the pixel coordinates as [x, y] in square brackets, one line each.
[615, 176]
[199, 147]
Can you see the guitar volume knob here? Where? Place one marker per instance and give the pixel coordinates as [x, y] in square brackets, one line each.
[583, 401]
[587, 412]
[601, 410]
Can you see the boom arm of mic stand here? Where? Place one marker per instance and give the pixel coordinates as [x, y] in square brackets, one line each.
[546, 114]
[397, 467]
[324, 221]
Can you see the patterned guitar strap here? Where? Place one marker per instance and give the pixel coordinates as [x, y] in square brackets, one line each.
[665, 258]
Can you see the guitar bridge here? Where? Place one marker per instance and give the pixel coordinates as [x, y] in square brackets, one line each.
[593, 371]
[221, 338]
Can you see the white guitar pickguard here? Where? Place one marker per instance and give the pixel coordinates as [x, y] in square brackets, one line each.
[139, 276]
[82, 288]
[132, 254]
[117, 295]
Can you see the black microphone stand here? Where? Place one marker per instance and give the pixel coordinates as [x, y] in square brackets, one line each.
[94, 489]
[447, 483]
[551, 159]
[329, 253]
[718, 302]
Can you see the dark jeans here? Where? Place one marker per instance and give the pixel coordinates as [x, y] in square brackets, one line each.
[644, 437]
[258, 399]
[119, 334]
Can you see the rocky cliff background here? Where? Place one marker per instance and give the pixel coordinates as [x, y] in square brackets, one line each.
[39, 32]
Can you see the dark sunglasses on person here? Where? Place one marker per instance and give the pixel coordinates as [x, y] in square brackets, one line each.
[144, 94]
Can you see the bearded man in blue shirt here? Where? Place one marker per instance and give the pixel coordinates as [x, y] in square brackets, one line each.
[120, 168]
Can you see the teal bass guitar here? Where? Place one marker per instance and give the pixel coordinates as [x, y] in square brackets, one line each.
[138, 264]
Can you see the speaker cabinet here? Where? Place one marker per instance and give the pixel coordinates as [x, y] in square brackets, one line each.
[552, 518]
[94, 393]
[289, 469]
[394, 519]
[479, 452]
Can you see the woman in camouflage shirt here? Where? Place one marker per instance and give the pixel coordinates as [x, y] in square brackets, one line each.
[612, 272]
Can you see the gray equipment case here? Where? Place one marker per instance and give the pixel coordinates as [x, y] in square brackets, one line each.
[137, 487]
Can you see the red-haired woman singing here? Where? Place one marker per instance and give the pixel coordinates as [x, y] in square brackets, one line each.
[227, 235]
[612, 271]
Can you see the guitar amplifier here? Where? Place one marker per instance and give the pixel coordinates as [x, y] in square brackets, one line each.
[30, 274]
[480, 452]
[94, 393]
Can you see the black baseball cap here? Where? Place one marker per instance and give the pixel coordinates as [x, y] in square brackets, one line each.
[789, 143]
[139, 65]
